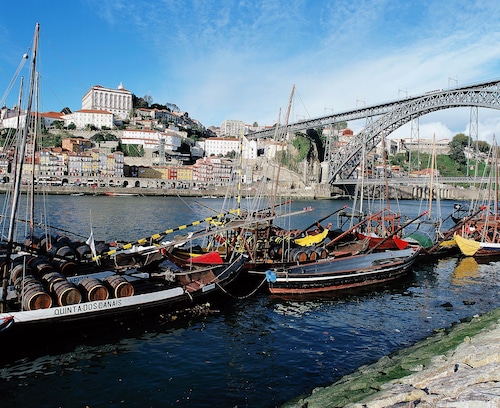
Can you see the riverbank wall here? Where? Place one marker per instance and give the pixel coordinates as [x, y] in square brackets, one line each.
[316, 191]
[456, 367]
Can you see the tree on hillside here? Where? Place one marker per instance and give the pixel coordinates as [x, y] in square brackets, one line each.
[457, 147]
[103, 137]
[148, 99]
[172, 107]
[483, 146]
[58, 124]
[139, 102]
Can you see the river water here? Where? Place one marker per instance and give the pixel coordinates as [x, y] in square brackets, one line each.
[254, 352]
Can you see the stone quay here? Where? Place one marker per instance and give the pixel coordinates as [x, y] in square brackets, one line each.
[455, 367]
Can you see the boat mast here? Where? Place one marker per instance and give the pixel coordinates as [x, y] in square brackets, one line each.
[287, 117]
[386, 179]
[431, 186]
[21, 151]
[32, 179]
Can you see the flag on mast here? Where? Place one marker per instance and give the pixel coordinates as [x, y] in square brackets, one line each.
[90, 242]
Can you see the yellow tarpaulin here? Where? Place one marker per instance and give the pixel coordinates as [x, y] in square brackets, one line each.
[468, 246]
[309, 240]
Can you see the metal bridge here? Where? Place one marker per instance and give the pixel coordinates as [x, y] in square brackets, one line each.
[386, 118]
[414, 181]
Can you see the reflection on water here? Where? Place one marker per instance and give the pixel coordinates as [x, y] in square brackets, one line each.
[465, 272]
[257, 352]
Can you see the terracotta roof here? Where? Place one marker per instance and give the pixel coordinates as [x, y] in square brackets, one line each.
[56, 115]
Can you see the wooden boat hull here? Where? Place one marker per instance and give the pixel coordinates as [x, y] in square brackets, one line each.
[342, 273]
[148, 294]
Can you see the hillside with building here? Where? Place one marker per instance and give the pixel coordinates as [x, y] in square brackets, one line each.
[119, 140]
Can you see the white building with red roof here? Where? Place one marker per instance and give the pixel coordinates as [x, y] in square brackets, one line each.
[84, 117]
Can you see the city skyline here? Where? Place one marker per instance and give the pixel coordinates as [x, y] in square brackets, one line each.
[232, 60]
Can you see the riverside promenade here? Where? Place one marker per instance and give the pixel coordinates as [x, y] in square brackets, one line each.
[455, 367]
[317, 191]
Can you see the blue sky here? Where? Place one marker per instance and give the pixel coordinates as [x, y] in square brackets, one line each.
[222, 59]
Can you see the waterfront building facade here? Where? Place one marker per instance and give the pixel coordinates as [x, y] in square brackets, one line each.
[220, 146]
[213, 170]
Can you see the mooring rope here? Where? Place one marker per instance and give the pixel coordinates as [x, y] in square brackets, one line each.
[241, 297]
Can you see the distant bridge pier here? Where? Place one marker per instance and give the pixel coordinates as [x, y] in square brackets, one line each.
[423, 192]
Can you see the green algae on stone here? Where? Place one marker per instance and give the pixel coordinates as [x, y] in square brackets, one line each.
[369, 379]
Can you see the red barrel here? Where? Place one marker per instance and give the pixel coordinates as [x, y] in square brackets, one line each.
[66, 292]
[93, 289]
[119, 286]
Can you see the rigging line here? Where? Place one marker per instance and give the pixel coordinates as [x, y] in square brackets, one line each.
[14, 78]
[184, 202]
[46, 226]
[303, 105]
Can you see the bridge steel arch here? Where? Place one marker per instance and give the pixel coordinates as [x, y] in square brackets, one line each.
[343, 163]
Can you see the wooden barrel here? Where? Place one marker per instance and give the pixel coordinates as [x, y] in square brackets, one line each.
[65, 251]
[290, 253]
[311, 254]
[275, 251]
[322, 252]
[101, 247]
[41, 266]
[93, 289]
[67, 268]
[119, 286]
[18, 272]
[62, 239]
[52, 277]
[298, 255]
[83, 251]
[33, 295]
[46, 243]
[66, 293]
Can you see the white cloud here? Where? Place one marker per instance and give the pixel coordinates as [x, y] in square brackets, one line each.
[224, 59]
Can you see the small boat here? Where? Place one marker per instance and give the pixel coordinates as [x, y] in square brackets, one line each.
[335, 274]
[57, 302]
[115, 194]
